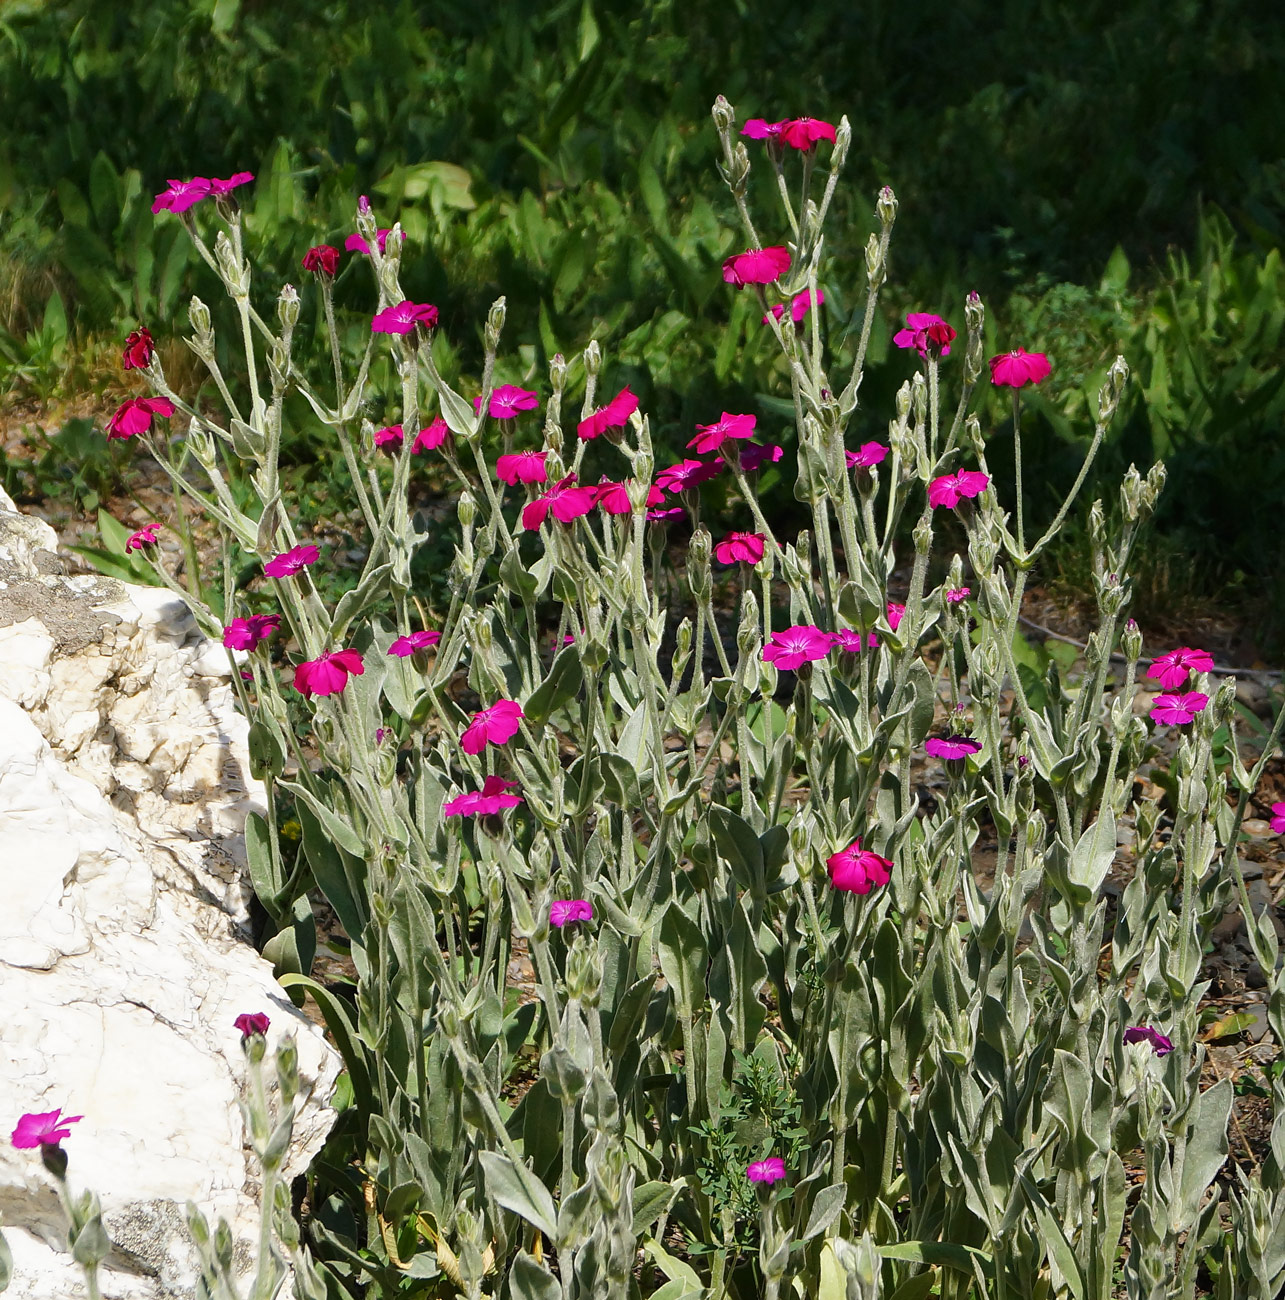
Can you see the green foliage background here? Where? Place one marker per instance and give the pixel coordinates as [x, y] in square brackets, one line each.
[1108, 176]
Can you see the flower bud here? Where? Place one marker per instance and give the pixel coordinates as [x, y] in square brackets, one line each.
[842, 142]
[919, 397]
[724, 115]
[1131, 641]
[738, 174]
[236, 275]
[288, 1070]
[495, 324]
[923, 536]
[367, 226]
[1112, 387]
[482, 632]
[592, 358]
[767, 680]
[1155, 485]
[201, 443]
[199, 315]
[974, 312]
[886, 206]
[1224, 701]
[466, 509]
[903, 401]
[288, 308]
[874, 261]
[973, 435]
[1131, 494]
[698, 553]
[557, 372]
[584, 972]
[747, 631]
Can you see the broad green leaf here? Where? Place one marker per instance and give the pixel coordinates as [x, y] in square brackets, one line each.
[826, 1208]
[683, 959]
[339, 1022]
[559, 688]
[1205, 1154]
[651, 1200]
[516, 1188]
[530, 1280]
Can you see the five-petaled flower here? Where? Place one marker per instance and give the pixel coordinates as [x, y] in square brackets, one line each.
[687, 475]
[867, 456]
[1178, 710]
[404, 317]
[929, 335]
[856, 870]
[138, 349]
[743, 548]
[322, 258]
[290, 562]
[799, 306]
[710, 437]
[219, 189]
[43, 1128]
[491, 798]
[507, 400]
[1172, 670]
[796, 645]
[615, 415]
[804, 132]
[564, 911]
[251, 1022]
[1161, 1044]
[952, 747]
[895, 613]
[614, 497]
[495, 725]
[1278, 817]
[757, 266]
[1019, 367]
[356, 244]
[405, 646]
[849, 640]
[389, 436]
[522, 467]
[771, 1170]
[431, 437]
[181, 195]
[947, 490]
[754, 456]
[146, 536]
[246, 633]
[956, 595]
[566, 498]
[328, 674]
[135, 416]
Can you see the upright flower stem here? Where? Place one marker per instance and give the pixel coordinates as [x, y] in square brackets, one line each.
[1017, 466]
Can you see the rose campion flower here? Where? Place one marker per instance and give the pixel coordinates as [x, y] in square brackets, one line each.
[389, 435]
[43, 1128]
[220, 188]
[803, 132]
[139, 350]
[356, 244]
[743, 548]
[849, 640]
[522, 467]
[797, 645]
[328, 675]
[491, 798]
[799, 306]
[1178, 710]
[247, 633]
[182, 195]
[566, 910]
[757, 266]
[404, 317]
[405, 646]
[757, 129]
[947, 490]
[614, 497]
[432, 437]
[507, 401]
[895, 613]
[1016, 368]
[659, 516]
[755, 456]
[146, 536]
[926, 333]
[322, 258]
[1171, 670]
[1160, 1043]
[1278, 817]
[495, 725]
[771, 1170]
[856, 870]
[867, 456]
[251, 1022]
[135, 416]
[615, 415]
[957, 595]
[567, 499]
[710, 437]
[290, 562]
[686, 476]
[952, 747]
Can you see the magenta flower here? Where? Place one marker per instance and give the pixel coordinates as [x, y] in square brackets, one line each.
[856, 870]
[43, 1128]
[754, 456]
[246, 633]
[138, 350]
[849, 640]
[952, 747]
[146, 536]
[181, 195]
[389, 435]
[489, 799]
[797, 645]
[757, 129]
[804, 132]
[507, 401]
[328, 675]
[1172, 669]
[957, 595]
[290, 562]
[1161, 1044]
[567, 499]
[743, 548]
[356, 244]
[947, 490]
[756, 266]
[566, 910]
[615, 415]
[403, 318]
[322, 258]
[431, 437]
[929, 335]
[659, 516]
[1278, 817]
[710, 437]
[771, 1170]
[496, 725]
[522, 467]
[895, 614]
[251, 1022]
[686, 476]
[614, 497]
[405, 646]
[135, 416]
[1016, 368]
[1178, 710]
[799, 306]
[219, 188]
[867, 456]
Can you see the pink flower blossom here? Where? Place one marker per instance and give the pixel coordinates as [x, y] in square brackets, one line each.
[522, 467]
[565, 498]
[220, 188]
[797, 645]
[288, 563]
[754, 456]
[659, 516]
[250, 1023]
[403, 318]
[1278, 817]
[849, 640]
[615, 415]
[957, 595]
[614, 497]
[566, 910]
[246, 633]
[43, 1128]
[146, 536]
[947, 490]
[799, 306]
[1016, 368]
[867, 456]
[1171, 670]
[856, 870]
[757, 129]
[491, 798]
[389, 435]
[1178, 710]
[710, 437]
[895, 614]
[686, 476]
[952, 747]
[139, 350]
[135, 416]
[181, 195]
[322, 258]
[429, 438]
[328, 675]
[1161, 1045]
[495, 725]
[745, 548]
[405, 646]
[929, 335]
[771, 1170]
[356, 244]
[804, 132]
[756, 266]
[507, 401]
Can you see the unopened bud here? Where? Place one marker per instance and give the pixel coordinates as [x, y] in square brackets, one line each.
[698, 553]
[1224, 701]
[919, 397]
[747, 632]
[1155, 485]
[495, 324]
[466, 509]
[584, 972]
[974, 312]
[1131, 641]
[1131, 493]
[482, 632]
[886, 206]
[724, 115]
[592, 358]
[644, 464]
[842, 141]
[199, 315]
[557, 372]
[874, 261]
[367, 226]
[236, 275]
[903, 401]
[738, 174]
[923, 536]
[973, 435]
[288, 307]
[1112, 387]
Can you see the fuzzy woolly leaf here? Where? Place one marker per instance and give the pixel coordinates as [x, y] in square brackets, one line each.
[517, 1188]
